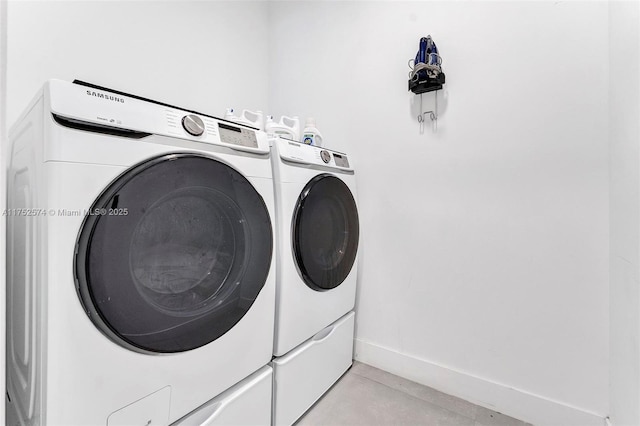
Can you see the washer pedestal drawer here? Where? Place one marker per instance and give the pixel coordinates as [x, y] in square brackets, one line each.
[245, 403]
[304, 374]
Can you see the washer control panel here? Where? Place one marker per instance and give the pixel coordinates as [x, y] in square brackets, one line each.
[237, 135]
[106, 108]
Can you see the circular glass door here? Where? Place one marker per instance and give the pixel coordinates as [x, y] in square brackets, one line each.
[325, 232]
[173, 254]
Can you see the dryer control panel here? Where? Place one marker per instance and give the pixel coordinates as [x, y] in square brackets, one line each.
[312, 155]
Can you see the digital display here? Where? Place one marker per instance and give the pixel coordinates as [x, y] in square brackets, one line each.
[238, 136]
[341, 160]
[227, 127]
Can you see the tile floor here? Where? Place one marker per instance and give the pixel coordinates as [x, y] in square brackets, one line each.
[368, 396]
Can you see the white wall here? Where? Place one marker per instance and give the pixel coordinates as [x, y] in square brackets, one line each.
[484, 246]
[199, 55]
[624, 136]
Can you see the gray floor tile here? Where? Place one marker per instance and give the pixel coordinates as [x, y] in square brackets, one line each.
[425, 393]
[356, 400]
[366, 395]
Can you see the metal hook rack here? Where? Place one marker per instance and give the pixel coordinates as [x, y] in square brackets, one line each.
[426, 76]
[433, 114]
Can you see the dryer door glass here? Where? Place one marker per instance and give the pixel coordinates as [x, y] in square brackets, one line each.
[173, 253]
[325, 232]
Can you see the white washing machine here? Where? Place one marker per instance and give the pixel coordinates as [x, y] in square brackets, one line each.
[141, 280]
[317, 250]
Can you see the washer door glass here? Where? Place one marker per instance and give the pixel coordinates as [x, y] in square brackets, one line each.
[173, 254]
[325, 232]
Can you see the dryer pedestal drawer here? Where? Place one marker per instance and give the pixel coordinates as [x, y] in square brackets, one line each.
[303, 375]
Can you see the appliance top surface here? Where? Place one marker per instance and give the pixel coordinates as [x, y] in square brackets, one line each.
[103, 108]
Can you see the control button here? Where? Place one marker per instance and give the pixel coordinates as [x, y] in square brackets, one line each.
[326, 157]
[193, 124]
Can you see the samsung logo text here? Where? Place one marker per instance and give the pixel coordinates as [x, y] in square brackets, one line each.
[105, 96]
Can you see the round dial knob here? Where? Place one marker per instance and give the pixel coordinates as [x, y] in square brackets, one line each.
[193, 124]
[326, 157]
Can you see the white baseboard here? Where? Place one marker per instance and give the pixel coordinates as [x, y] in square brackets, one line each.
[522, 405]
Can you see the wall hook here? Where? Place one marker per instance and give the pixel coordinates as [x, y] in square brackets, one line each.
[426, 76]
[433, 114]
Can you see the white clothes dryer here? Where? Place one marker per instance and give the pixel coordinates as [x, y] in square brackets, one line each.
[141, 280]
[317, 251]
[317, 244]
